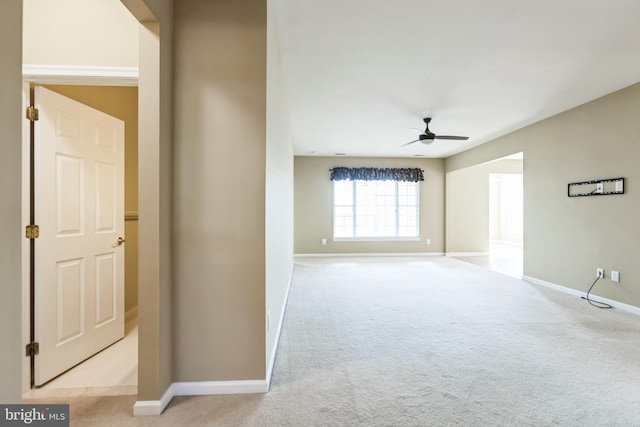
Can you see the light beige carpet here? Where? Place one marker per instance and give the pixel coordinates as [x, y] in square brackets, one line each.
[424, 342]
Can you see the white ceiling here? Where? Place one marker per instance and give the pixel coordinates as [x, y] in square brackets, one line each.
[360, 74]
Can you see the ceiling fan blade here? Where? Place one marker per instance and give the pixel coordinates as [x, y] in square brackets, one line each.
[452, 137]
[416, 130]
[410, 142]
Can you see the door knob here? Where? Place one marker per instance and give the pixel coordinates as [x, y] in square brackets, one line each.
[118, 242]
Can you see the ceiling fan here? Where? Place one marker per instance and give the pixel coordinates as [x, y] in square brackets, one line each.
[427, 137]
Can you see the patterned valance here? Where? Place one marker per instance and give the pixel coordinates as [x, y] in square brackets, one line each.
[377, 174]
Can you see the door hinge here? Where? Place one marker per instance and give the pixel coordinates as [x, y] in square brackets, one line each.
[33, 349]
[32, 231]
[32, 113]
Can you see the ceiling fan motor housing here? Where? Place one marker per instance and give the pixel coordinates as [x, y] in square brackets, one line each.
[427, 137]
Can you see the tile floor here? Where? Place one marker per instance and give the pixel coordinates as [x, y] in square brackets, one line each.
[504, 257]
[113, 371]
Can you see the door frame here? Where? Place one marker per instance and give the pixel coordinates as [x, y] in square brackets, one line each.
[155, 53]
[106, 78]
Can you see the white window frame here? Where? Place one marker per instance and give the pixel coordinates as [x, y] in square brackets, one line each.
[354, 215]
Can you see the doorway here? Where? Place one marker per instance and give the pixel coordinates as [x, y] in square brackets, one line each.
[506, 222]
[72, 48]
[155, 121]
[113, 370]
[475, 232]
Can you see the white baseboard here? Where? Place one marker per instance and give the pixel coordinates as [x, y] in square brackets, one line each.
[369, 254]
[454, 254]
[272, 359]
[615, 304]
[198, 388]
[153, 407]
[131, 314]
[559, 288]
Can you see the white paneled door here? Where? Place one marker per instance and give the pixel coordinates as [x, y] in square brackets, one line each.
[79, 256]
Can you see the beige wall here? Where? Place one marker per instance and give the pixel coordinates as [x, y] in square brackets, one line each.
[313, 197]
[467, 217]
[219, 183]
[11, 351]
[566, 239]
[106, 36]
[122, 103]
[279, 197]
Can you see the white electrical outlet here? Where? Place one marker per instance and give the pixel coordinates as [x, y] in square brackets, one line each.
[324, 241]
[615, 276]
[428, 241]
[599, 188]
[600, 273]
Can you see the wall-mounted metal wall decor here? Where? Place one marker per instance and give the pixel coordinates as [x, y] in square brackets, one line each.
[596, 187]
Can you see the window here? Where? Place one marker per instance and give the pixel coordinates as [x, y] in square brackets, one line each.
[375, 209]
